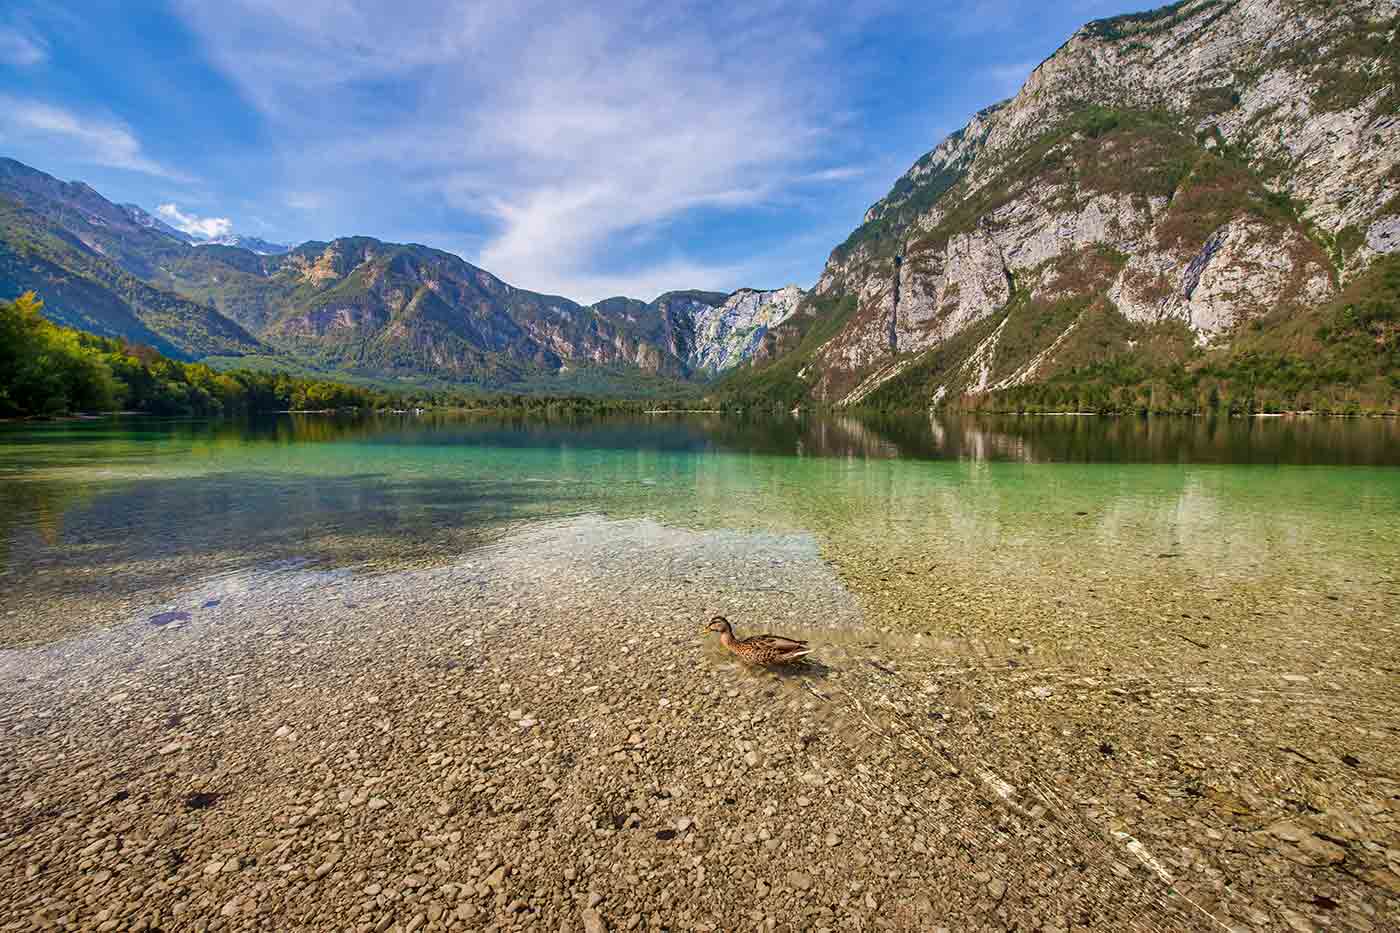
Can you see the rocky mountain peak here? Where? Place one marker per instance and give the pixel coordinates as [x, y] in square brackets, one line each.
[1165, 180]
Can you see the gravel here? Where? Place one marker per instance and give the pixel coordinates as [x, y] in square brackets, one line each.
[143, 783]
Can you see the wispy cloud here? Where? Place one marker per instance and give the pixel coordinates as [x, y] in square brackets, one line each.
[839, 173]
[206, 228]
[577, 146]
[92, 139]
[21, 49]
[570, 130]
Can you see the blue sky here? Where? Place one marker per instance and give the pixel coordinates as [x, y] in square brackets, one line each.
[587, 150]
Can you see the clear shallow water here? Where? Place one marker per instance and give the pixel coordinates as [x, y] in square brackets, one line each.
[1030, 508]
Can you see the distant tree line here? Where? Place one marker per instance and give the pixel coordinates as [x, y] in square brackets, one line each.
[47, 369]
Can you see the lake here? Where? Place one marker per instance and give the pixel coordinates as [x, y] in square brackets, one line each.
[93, 510]
[1168, 645]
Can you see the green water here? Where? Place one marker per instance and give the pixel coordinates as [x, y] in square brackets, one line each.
[1010, 510]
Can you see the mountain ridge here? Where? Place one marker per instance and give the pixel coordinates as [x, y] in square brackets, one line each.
[368, 306]
[1166, 189]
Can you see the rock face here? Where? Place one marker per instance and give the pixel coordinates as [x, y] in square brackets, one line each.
[730, 333]
[1199, 166]
[1237, 274]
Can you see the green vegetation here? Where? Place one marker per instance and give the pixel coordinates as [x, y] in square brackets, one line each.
[907, 200]
[1342, 247]
[1366, 321]
[579, 380]
[47, 369]
[1217, 189]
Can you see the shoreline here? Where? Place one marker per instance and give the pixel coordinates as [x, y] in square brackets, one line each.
[1171, 415]
[856, 412]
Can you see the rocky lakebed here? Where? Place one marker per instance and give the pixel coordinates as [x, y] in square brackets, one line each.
[537, 735]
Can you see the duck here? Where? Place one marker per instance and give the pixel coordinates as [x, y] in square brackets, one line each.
[768, 650]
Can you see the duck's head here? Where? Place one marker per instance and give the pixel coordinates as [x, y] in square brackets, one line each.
[719, 624]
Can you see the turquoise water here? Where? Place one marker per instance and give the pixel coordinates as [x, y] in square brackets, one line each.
[100, 510]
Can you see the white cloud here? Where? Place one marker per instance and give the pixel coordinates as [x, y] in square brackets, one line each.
[574, 131]
[91, 139]
[20, 49]
[204, 228]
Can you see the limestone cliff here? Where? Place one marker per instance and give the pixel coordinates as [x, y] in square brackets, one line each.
[730, 333]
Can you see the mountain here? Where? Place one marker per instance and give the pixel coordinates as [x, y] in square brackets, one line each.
[390, 308]
[135, 242]
[731, 333]
[1203, 197]
[385, 310]
[84, 289]
[1195, 205]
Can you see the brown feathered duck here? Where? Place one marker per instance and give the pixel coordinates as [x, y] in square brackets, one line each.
[767, 650]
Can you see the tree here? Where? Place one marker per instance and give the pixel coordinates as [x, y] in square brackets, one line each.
[46, 369]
